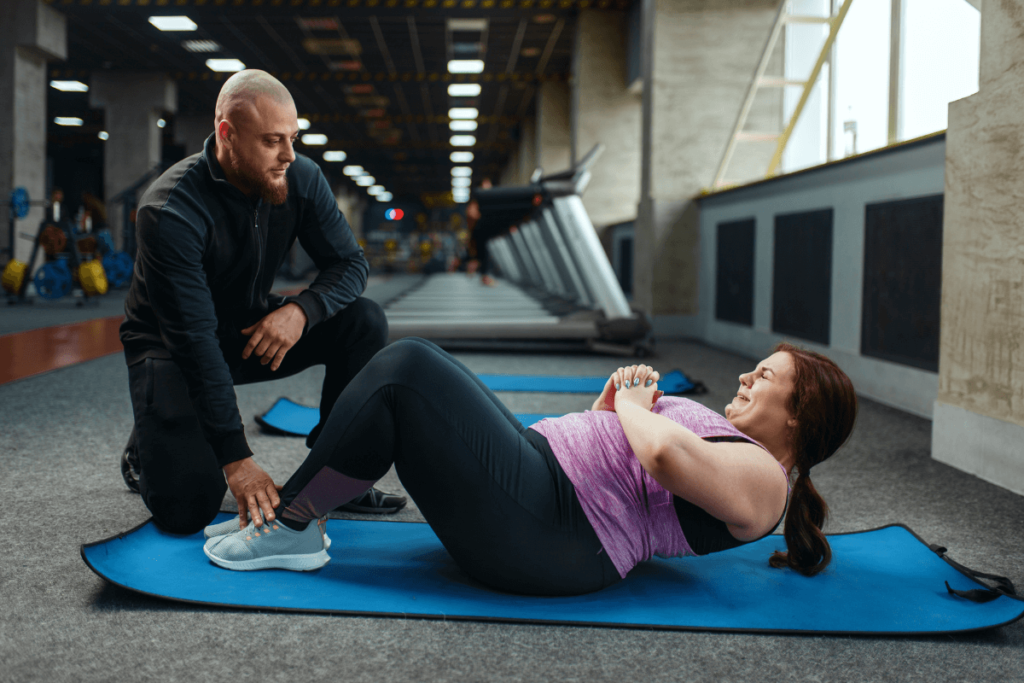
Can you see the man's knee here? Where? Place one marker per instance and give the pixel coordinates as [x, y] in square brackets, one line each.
[186, 507]
[369, 318]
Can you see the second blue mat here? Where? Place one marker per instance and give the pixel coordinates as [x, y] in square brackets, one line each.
[883, 581]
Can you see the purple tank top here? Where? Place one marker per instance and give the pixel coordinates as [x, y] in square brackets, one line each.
[593, 450]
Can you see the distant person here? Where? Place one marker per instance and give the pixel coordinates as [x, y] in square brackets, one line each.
[212, 233]
[573, 503]
[478, 239]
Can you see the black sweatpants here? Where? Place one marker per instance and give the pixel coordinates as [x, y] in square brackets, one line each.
[181, 482]
[491, 489]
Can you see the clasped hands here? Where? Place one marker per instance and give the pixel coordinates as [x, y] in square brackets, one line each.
[634, 385]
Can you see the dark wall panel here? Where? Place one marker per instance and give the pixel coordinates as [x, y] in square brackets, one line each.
[802, 283]
[734, 286]
[902, 281]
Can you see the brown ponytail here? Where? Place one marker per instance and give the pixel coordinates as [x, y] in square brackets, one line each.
[824, 404]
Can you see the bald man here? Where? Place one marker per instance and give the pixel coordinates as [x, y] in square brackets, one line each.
[212, 233]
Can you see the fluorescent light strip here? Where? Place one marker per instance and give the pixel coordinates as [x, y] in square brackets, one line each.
[69, 86]
[461, 171]
[461, 157]
[464, 90]
[462, 125]
[314, 139]
[200, 45]
[335, 155]
[463, 113]
[303, 124]
[354, 171]
[68, 121]
[224, 65]
[465, 66]
[462, 140]
[179, 23]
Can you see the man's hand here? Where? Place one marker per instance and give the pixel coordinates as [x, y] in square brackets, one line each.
[275, 334]
[253, 489]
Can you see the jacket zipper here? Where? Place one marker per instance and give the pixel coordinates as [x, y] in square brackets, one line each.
[259, 256]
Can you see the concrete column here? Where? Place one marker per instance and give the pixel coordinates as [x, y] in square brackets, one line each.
[605, 111]
[527, 150]
[554, 129]
[192, 131]
[134, 102]
[978, 423]
[697, 62]
[30, 34]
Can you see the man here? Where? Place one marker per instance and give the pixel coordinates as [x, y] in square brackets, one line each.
[212, 232]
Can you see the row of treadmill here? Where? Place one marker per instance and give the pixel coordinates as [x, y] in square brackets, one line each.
[557, 289]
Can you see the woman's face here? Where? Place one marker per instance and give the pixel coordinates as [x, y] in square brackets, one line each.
[761, 407]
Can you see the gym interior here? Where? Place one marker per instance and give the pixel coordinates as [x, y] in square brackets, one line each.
[680, 183]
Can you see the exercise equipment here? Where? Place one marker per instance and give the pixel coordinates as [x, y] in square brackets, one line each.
[288, 418]
[53, 280]
[92, 278]
[14, 276]
[881, 581]
[557, 285]
[119, 267]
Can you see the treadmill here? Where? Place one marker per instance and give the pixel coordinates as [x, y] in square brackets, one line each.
[556, 288]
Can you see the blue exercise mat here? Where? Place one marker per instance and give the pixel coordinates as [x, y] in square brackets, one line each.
[292, 419]
[883, 581]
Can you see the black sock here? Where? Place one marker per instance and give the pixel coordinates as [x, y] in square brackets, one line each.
[290, 523]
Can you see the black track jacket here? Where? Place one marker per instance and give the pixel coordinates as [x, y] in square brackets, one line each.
[207, 257]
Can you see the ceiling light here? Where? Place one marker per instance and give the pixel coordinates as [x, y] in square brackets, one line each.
[68, 121]
[103, 135]
[314, 139]
[303, 124]
[161, 123]
[460, 192]
[225, 65]
[464, 90]
[460, 199]
[173, 23]
[385, 197]
[465, 66]
[463, 113]
[462, 171]
[462, 125]
[462, 140]
[353, 170]
[69, 86]
[375, 189]
[366, 181]
[200, 46]
[461, 157]
[335, 155]
[461, 182]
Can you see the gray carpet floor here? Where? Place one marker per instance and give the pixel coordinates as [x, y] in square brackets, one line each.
[61, 487]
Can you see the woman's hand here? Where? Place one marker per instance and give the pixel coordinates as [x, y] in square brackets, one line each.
[635, 385]
[606, 401]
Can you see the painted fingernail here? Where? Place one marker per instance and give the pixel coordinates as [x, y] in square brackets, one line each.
[636, 381]
[617, 386]
[648, 383]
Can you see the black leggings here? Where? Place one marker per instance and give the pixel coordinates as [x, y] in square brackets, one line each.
[490, 489]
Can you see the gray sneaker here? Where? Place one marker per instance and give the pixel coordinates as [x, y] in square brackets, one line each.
[273, 546]
[231, 526]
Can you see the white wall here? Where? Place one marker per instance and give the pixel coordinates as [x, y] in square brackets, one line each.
[913, 170]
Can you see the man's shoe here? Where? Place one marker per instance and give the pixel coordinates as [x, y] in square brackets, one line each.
[231, 526]
[272, 546]
[375, 502]
[130, 466]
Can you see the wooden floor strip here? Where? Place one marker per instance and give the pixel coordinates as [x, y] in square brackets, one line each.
[24, 354]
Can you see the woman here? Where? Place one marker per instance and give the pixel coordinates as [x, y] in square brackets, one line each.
[572, 504]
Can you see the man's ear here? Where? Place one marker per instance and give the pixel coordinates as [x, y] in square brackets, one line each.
[224, 131]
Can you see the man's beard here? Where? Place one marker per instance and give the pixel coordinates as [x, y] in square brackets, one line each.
[271, 190]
